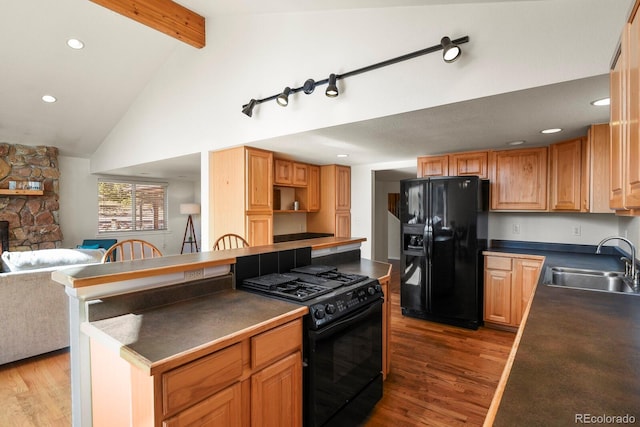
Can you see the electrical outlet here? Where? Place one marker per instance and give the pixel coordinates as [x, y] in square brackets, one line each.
[515, 229]
[194, 274]
[576, 231]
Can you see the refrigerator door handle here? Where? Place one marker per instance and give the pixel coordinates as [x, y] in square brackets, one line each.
[426, 240]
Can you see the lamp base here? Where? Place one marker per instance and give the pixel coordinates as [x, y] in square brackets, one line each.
[191, 238]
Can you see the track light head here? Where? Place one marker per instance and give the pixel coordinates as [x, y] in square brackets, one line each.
[309, 86]
[450, 50]
[283, 98]
[332, 89]
[248, 108]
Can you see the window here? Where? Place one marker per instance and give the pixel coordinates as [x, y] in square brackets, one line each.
[131, 206]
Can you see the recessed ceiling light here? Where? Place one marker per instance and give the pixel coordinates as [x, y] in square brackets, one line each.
[342, 155]
[75, 44]
[601, 102]
[552, 130]
[49, 99]
[515, 143]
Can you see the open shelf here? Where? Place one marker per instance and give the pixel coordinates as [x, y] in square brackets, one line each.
[22, 192]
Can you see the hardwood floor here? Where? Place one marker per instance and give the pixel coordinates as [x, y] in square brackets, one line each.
[441, 376]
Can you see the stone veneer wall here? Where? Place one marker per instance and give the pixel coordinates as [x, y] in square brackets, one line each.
[33, 220]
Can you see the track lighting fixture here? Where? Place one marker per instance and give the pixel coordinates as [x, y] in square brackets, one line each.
[248, 108]
[450, 52]
[332, 89]
[309, 86]
[283, 98]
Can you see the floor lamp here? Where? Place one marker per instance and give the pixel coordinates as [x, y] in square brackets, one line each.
[189, 209]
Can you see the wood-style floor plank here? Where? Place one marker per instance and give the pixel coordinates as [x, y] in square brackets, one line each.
[441, 376]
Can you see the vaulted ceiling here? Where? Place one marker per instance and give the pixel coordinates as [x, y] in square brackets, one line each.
[96, 86]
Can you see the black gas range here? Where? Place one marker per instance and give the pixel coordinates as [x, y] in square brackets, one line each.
[342, 342]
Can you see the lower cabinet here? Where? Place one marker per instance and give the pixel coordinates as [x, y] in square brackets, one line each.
[509, 282]
[255, 381]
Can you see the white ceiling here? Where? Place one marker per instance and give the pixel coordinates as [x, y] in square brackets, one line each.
[95, 87]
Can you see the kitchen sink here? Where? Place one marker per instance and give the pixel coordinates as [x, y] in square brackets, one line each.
[593, 280]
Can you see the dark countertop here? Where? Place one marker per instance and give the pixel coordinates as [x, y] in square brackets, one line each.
[578, 353]
[152, 338]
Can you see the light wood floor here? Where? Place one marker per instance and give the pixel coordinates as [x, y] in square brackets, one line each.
[441, 376]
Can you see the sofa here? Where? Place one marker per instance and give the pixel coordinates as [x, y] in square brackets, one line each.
[34, 310]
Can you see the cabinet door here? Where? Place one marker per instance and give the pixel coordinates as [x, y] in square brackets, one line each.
[276, 393]
[565, 175]
[497, 296]
[632, 139]
[300, 174]
[259, 180]
[260, 229]
[616, 131]
[343, 188]
[471, 163]
[433, 166]
[313, 189]
[519, 179]
[343, 224]
[283, 172]
[221, 409]
[527, 272]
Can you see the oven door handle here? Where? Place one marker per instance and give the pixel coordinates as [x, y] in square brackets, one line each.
[344, 323]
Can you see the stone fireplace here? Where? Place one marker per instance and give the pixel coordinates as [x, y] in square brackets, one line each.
[33, 219]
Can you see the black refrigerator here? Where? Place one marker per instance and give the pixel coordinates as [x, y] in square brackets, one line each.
[444, 231]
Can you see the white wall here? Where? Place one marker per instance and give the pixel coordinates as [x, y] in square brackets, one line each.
[202, 90]
[79, 209]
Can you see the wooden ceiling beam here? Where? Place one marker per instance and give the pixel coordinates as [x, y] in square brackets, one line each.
[165, 16]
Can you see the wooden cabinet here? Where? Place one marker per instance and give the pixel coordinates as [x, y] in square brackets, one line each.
[599, 161]
[335, 199]
[241, 194]
[433, 166]
[385, 283]
[519, 179]
[313, 189]
[509, 282]
[455, 164]
[469, 163]
[287, 172]
[568, 176]
[256, 380]
[616, 129]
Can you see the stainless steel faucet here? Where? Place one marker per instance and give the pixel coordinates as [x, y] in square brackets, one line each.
[634, 273]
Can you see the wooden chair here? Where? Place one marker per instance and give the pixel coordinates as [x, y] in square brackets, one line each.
[230, 241]
[128, 250]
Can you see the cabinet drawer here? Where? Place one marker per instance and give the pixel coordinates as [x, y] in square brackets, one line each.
[275, 343]
[201, 378]
[497, 263]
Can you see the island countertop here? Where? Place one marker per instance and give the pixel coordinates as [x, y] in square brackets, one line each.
[162, 337]
[577, 353]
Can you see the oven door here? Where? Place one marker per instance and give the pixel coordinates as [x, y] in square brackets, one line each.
[343, 379]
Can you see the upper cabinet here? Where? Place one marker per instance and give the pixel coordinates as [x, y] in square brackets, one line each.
[568, 178]
[259, 181]
[433, 166]
[455, 164]
[290, 173]
[625, 120]
[469, 163]
[519, 179]
[335, 199]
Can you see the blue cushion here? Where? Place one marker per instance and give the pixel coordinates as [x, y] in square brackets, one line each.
[95, 246]
[102, 243]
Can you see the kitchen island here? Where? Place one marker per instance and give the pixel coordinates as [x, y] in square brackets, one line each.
[576, 356]
[150, 325]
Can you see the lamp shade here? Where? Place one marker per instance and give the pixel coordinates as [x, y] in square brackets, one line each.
[189, 208]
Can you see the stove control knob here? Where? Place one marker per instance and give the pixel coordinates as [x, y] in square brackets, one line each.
[371, 290]
[379, 288]
[330, 308]
[319, 313]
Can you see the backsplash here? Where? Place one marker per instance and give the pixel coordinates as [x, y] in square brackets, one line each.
[33, 219]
